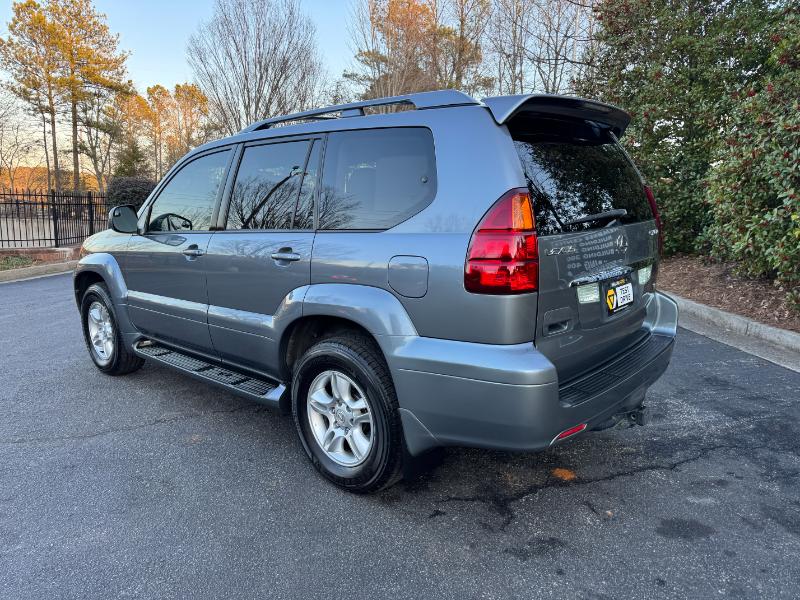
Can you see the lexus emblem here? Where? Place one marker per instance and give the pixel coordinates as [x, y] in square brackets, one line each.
[621, 243]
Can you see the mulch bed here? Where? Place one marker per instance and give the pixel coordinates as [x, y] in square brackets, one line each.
[715, 284]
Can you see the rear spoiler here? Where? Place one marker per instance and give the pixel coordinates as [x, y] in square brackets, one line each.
[504, 108]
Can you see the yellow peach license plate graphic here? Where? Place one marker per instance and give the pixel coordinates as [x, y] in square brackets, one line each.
[619, 296]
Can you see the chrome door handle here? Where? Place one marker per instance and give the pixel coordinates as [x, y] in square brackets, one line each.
[193, 252]
[285, 256]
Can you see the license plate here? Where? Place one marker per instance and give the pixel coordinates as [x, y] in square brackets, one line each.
[619, 295]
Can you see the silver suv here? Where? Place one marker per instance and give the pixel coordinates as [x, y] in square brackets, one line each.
[400, 274]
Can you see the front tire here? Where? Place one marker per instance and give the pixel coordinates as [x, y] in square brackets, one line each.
[102, 335]
[346, 413]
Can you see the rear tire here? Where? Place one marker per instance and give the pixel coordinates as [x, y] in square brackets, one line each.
[351, 428]
[102, 336]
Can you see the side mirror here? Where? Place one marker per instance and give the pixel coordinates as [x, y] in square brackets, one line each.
[123, 219]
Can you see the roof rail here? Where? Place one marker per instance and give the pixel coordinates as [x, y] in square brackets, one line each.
[421, 100]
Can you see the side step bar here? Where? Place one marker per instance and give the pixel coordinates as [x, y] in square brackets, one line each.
[261, 390]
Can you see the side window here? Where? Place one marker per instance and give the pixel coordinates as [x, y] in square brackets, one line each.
[187, 201]
[304, 215]
[376, 178]
[267, 187]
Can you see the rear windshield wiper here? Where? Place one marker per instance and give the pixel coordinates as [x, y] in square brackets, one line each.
[601, 216]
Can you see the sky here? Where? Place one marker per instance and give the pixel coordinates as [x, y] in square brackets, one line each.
[156, 32]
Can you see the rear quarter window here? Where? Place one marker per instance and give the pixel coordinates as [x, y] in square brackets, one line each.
[376, 178]
[574, 170]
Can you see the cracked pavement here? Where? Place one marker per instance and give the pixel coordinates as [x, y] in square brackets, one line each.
[156, 486]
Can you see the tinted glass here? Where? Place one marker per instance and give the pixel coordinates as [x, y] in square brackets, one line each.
[187, 201]
[575, 170]
[375, 179]
[267, 185]
[304, 215]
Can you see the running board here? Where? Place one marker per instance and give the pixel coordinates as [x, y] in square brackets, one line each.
[261, 390]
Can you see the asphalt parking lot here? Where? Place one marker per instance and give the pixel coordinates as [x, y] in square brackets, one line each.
[155, 486]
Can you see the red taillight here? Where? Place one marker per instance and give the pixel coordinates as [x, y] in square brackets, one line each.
[652, 200]
[503, 255]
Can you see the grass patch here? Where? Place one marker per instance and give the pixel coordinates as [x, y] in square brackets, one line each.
[14, 262]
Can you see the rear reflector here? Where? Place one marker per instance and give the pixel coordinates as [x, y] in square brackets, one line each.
[503, 255]
[570, 432]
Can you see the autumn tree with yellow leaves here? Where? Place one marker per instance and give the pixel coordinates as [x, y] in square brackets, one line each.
[160, 103]
[407, 46]
[90, 58]
[31, 56]
[168, 123]
[65, 65]
[59, 54]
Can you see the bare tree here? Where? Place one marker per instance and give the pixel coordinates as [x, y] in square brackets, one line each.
[16, 140]
[98, 131]
[508, 45]
[540, 45]
[254, 60]
[560, 35]
[458, 51]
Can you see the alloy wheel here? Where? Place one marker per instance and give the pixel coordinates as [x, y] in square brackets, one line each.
[340, 418]
[101, 330]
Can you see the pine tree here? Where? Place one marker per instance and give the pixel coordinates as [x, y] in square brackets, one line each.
[31, 54]
[131, 160]
[90, 59]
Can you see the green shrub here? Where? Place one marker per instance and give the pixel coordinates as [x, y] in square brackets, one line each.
[129, 190]
[672, 65]
[754, 186]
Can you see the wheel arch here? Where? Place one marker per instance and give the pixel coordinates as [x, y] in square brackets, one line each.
[331, 308]
[305, 331]
[102, 267]
[83, 280]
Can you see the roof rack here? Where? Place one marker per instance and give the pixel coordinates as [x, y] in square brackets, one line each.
[421, 100]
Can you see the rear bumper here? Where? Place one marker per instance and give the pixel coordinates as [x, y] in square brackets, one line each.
[508, 397]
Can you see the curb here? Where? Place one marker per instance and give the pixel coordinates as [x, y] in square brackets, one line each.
[715, 317]
[37, 271]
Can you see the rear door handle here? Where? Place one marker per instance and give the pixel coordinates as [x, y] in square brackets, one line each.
[193, 251]
[285, 256]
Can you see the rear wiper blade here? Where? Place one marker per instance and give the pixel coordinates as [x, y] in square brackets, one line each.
[601, 216]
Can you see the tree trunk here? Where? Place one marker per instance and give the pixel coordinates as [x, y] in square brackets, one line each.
[46, 152]
[76, 174]
[52, 110]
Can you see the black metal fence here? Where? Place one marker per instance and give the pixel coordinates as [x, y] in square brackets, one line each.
[30, 219]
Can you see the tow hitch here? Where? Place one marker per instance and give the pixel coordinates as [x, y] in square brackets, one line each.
[640, 416]
[637, 416]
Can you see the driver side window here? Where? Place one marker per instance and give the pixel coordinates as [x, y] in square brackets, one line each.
[187, 201]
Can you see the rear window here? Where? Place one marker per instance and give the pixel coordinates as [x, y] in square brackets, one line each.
[575, 170]
[376, 178]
